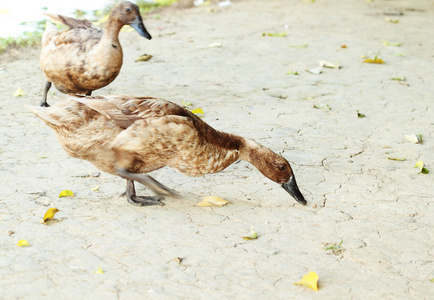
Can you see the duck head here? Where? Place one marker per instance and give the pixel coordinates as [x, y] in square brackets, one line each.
[128, 13]
[273, 166]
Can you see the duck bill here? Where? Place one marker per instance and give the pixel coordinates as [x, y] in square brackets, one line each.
[137, 24]
[292, 188]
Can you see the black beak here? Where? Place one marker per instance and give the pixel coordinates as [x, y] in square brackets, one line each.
[292, 188]
[137, 24]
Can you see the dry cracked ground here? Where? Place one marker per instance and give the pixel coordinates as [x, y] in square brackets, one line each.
[382, 210]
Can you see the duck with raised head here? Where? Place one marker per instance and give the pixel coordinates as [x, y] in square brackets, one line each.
[132, 136]
[83, 58]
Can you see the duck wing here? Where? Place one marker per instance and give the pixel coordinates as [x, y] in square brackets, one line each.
[68, 21]
[124, 111]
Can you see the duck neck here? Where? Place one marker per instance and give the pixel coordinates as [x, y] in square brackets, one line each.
[112, 28]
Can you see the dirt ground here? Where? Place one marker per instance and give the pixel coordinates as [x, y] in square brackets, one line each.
[382, 210]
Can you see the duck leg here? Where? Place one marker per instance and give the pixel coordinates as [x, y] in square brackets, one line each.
[147, 181]
[89, 93]
[139, 200]
[44, 98]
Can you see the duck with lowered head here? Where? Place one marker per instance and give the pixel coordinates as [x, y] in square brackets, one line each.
[83, 58]
[132, 136]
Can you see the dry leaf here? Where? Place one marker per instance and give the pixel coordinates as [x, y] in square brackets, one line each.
[212, 201]
[387, 43]
[65, 193]
[19, 92]
[360, 115]
[309, 280]
[49, 214]
[144, 57]
[99, 271]
[344, 46]
[197, 111]
[290, 72]
[281, 34]
[419, 165]
[298, 46]
[315, 71]
[322, 106]
[391, 20]
[327, 64]
[253, 235]
[178, 260]
[215, 45]
[374, 61]
[397, 158]
[23, 243]
[414, 138]
[94, 189]
[398, 78]
[186, 103]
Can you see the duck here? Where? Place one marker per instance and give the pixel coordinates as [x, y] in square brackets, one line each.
[131, 136]
[84, 58]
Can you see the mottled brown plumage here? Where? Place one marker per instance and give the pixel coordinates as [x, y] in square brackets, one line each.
[83, 58]
[126, 136]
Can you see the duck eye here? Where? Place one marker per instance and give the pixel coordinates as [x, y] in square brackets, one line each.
[128, 9]
[282, 168]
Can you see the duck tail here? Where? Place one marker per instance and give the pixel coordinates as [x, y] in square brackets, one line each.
[44, 114]
[68, 21]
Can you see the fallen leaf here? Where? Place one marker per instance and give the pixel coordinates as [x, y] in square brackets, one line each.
[65, 193]
[399, 54]
[308, 1]
[19, 92]
[419, 165]
[49, 214]
[144, 57]
[309, 280]
[178, 260]
[186, 103]
[327, 64]
[253, 235]
[374, 61]
[397, 158]
[298, 46]
[23, 243]
[344, 46]
[99, 271]
[215, 45]
[398, 78]
[281, 34]
[315, 71]
[391, 20]
[94, 189]
[335, 248]
[414, 138]
[212, 201]
[197, 111]
[403, 83]
[432, 280]
[322, 106]
[360, 115]
[290, 72]
[387, 43]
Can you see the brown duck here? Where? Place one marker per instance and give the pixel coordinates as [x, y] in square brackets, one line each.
[83, 58]
[128, 136]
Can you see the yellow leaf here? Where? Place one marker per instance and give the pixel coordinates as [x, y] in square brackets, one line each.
[65, 193]
[186, 103]
[419, 165]
[99, 271]
[178, 260]
[391, 20]
[253, 235]
[309, 280]
[23, 243]
[19, 92]
[344, 46]
[281, 34]
[94, 189]
[212, 201]
[397, 158]
[197, 111]
[49, 214]
[413, 138]
[144, 57]
[374, 61]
